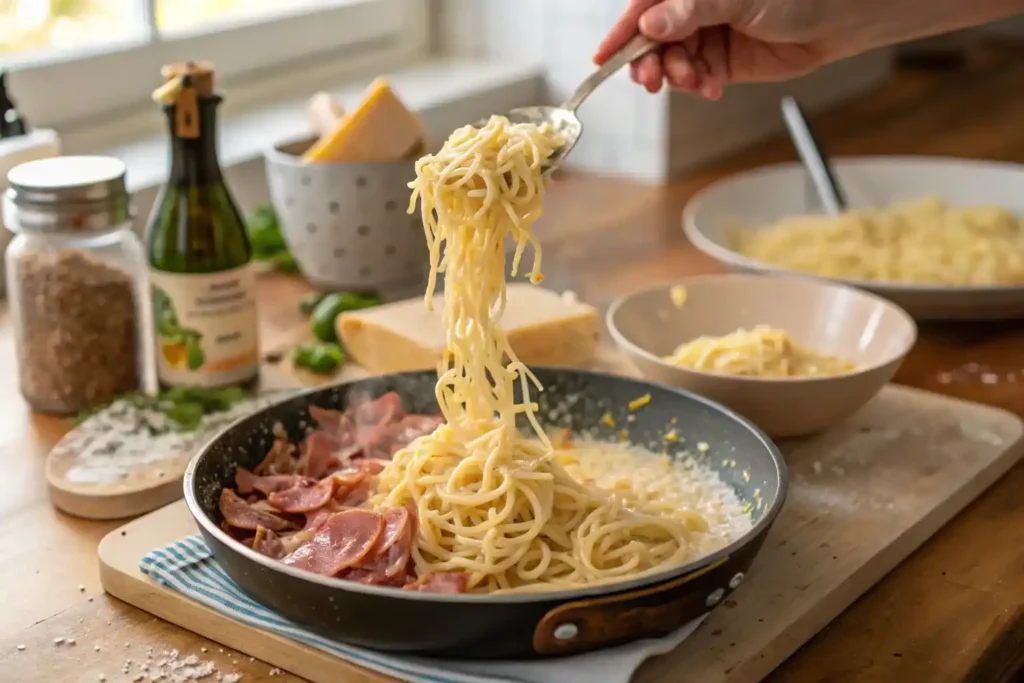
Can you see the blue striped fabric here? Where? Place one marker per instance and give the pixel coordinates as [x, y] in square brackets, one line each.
[188, 567]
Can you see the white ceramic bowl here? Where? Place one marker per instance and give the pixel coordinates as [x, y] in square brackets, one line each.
[346, 224]
[759, 197]
[872, 333]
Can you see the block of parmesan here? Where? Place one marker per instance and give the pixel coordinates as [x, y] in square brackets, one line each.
[380, 129]
[543, 328]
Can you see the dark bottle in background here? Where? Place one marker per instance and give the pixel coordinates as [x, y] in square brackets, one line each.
[202, 282]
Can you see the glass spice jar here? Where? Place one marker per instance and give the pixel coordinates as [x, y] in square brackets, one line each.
[75, 274]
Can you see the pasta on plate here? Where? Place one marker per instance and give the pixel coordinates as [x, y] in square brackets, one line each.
[919, 242]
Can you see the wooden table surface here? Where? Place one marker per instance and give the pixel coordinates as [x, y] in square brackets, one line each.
[952, 612]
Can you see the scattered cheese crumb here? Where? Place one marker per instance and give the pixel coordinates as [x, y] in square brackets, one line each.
[20, 648]
[638, 403]
[703, 447]
[232, 678]
[276, 672]
[671, 436]
[58, 640]
[102, 677]
[81, 588]
[989, 378]
[678, 296]
[71, 641]
[608, 420]
[96, 648]
[90, 598]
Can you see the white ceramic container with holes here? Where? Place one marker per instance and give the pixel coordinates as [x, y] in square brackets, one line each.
[346, 224]
[759, 197]
[872, 333]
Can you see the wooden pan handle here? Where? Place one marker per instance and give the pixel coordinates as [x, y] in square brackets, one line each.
[655, 611]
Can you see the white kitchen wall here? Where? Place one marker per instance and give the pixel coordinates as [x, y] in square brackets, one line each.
[627, 130]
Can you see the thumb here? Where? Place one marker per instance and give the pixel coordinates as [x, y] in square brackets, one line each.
[675, 20]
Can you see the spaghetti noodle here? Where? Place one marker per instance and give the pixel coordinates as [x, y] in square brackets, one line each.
[490, 501]
[760, 352]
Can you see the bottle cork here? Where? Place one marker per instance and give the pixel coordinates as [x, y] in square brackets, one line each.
[185, 83]
[200, 73]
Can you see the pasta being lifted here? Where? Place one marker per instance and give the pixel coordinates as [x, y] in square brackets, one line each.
[490, 501]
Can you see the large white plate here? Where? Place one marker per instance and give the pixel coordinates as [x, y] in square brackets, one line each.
[759, 197]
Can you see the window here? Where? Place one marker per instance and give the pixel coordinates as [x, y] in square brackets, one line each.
[72, 61]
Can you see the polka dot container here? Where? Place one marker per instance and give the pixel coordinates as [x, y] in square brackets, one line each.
[346, 224]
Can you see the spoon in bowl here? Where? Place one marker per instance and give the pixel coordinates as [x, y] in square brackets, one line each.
[563, 119]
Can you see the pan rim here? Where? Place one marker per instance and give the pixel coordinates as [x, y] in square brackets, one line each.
[561, 596]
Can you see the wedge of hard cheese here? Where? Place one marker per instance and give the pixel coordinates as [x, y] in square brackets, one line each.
[381, 129]
[543, 328]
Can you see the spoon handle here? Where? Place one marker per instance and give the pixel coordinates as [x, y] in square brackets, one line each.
[634, 49]
[813, 158]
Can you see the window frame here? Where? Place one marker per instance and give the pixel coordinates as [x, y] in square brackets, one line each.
[85, 86]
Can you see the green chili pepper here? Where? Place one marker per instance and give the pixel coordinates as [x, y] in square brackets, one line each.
[327, 311]
[322, 359]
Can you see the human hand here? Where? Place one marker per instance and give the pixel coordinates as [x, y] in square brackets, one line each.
[706, 44]
[709, 43]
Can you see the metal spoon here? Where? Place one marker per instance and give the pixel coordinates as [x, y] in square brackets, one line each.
[564, 118]
[829, 192]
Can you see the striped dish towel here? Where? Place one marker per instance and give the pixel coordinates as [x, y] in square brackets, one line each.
[189, 568]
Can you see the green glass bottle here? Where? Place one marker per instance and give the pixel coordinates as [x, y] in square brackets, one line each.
[202, 282]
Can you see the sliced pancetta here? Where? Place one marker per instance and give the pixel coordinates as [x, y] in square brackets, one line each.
[242, 515]
[303, 497]
[268, 543]
[440, 582]
[341, 542]
[279, 460]
[247, 482]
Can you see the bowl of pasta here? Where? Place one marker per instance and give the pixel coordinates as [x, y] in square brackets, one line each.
[943, 238]
[794, 355]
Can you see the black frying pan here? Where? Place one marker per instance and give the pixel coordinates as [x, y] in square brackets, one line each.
[503, 626]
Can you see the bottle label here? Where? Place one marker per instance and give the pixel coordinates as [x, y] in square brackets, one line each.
[205, 327]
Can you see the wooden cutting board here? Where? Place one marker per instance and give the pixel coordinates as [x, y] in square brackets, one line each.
[862, 497]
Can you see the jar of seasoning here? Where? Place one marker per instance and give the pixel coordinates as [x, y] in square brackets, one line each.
[75, 282]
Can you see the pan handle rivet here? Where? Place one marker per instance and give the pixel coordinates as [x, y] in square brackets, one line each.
[715, 597]
[735, 581]
[566, 631]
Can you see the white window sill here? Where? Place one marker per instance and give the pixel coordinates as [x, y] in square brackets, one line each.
[445, 92]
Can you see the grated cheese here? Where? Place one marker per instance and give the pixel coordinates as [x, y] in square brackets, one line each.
[678, 488]
[124, 436]
[638, 403]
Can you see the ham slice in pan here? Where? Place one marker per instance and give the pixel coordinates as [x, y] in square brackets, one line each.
[440, 582]
[268, 543]
[341, 542]
[242, 515]
[303, 498]
[279, 460]
[247, 482]
[390, 556]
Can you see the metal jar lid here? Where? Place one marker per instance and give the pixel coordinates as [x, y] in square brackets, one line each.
[67, 194]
